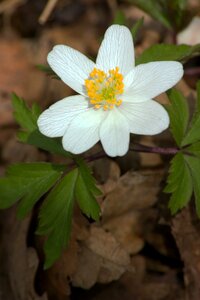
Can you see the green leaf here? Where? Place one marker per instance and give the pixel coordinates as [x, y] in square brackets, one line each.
[29, 181]
[179, 115]
[25, 117]
[86, 191]
[88, 178]
[198, 97]
[165, 52]
[193, 134]
[120, 18]
[177, 12]
[194, 149]
[56, 217]
[136, 27]
[181, 4]
[155, 9]
[179, 183]
[37, 139]
[194, 165]
[48, 70]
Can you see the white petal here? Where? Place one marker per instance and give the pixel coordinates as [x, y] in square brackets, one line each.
[114, 134]
[83, 131]
[147, 81]
[53, 122]
[146, 117]
[116, 50]
[71, 66]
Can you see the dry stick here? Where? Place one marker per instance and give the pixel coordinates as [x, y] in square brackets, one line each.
[47, 11]
[9, 4]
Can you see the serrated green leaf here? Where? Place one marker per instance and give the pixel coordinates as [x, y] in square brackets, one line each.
[193, 134]
[120, 18]
[37, 139]
[86, 191]
[24, 116]
[86, 199]
[177, 11]
[198, 97]
[165, 52]
[194, 165]
[33, 170]
[27, 119]
[12, 189]
[175, 171]
[155, 9]
[88, 178]
[196, 113]
[181, 4]
[136, 27]
[194, 149]
[179, 183]
[41, 188]
[48, 70]
[25, 178]
[56, 216]
[179, 115]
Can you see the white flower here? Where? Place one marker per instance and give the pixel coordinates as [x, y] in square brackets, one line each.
[115, 96]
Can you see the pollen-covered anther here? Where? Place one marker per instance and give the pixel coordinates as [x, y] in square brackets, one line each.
[104, 89]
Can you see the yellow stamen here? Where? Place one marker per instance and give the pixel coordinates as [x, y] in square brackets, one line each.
[104, 89]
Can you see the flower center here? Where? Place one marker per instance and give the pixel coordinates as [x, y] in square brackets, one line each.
[104, 89]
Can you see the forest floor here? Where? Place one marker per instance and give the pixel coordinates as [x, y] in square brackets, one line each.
[137, 250]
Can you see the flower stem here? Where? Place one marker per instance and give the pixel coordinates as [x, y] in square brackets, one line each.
[148, 149]
[137, 148]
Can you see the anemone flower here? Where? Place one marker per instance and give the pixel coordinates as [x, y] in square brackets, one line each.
[115, 96]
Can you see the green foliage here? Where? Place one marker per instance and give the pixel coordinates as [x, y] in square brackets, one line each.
[28, 182]
[194, 149]
[48, 71]
[179, 183]
[165, 52]
[56, 217]
[86, 191]
[171, 14]
[120, 18]
[25, 117]
[29, 133]
[179, 115]
[155, 9]
[194, 165]
[184, 173]
[193, 133]
[136, 27]
[56, 212]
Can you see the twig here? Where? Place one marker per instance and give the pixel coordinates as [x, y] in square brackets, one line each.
[47, 11]
[9, 4]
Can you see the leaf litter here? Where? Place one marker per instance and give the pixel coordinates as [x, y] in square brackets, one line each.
[131, 252]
